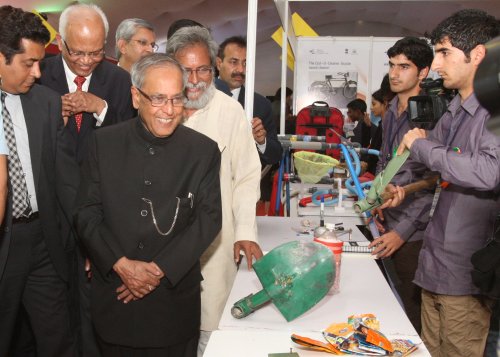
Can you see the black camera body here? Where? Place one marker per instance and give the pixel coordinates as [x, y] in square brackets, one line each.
[426, 109]
[487, 84]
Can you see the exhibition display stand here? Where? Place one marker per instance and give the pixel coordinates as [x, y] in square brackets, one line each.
[363, 288]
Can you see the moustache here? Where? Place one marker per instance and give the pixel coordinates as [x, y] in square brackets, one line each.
[238, 74]
[199, 85]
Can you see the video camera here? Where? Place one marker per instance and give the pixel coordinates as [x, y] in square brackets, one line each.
[425, 110]
[487, 84]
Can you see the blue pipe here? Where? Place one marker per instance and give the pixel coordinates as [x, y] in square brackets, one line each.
[352, 189]
[319, 193]
[287, 184]
[352, 171]
[359, 191]
[373, 152]
[278, 191]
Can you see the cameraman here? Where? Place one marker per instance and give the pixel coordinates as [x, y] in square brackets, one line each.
[409, 61]
[455, 319]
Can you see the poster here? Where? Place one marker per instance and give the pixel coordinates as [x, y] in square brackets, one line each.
[338, 70]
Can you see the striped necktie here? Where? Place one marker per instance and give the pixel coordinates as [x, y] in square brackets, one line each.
[20, 200]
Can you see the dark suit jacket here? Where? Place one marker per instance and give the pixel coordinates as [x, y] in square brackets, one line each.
[126, 164]
[262, 109]
[53, 163]
[108, 82]
[222, 86]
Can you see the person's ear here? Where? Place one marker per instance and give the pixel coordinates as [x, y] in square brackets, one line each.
[135, 97]
[218, 62]
[59, 42]
[423, 73]
[122, 46]
[477, 54]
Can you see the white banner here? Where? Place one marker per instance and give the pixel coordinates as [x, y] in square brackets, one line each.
[338, 70]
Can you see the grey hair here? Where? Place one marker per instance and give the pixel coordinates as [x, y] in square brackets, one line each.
[127, 29]
[139, 69]
[189, 36]
[63, 19]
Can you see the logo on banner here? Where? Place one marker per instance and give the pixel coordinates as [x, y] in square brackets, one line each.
[318, 51]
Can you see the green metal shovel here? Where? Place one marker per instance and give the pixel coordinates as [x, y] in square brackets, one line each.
[377, 195]
[295, 276]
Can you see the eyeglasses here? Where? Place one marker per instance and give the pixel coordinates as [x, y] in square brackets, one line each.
[81, 54]
[200, 71]
[160, 100]
[145, 43]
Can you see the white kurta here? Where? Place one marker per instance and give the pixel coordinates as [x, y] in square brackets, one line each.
[223, 120]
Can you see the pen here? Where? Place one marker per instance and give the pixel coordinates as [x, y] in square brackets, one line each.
[322, 211]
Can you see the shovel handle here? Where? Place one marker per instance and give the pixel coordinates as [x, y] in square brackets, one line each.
[249, 304]
[413, 187]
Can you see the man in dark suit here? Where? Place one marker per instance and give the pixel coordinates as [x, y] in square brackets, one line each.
[103, 98]
[33, 248]
[145, 234]
[94, 93]
[231, 63]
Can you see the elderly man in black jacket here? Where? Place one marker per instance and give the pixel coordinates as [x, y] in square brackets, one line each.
[149, 205]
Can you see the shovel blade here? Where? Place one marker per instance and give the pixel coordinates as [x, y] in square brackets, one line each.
[296, 276]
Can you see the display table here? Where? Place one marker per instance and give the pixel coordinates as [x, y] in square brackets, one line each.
[363, 289]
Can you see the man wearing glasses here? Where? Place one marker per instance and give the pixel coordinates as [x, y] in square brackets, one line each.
[149, 205]
[222, 119]
[94, 93]
[135, 38]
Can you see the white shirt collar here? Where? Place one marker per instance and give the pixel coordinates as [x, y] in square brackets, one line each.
[70, 78]
[236, 92]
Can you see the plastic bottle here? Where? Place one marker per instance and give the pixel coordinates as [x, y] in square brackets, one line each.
[329, 239]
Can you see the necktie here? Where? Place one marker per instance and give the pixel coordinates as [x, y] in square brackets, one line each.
[20, 201]
[79, 80]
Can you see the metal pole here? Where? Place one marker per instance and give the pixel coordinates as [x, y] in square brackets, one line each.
[251, 45]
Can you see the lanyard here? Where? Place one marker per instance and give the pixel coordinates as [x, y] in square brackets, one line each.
[452, 132]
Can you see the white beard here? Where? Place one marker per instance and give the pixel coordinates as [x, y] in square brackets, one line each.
[205, 97]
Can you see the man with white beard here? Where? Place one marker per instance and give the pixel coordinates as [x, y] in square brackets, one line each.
[221, 118]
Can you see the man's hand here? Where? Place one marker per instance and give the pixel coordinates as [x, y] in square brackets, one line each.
[139, 277]
[81, 102]
[378, 218]
[125, 294]
[88, 270]
[397, 198]
[386, 245]
[258, 131]
[366, 119]
[409, 138]
[251, 250]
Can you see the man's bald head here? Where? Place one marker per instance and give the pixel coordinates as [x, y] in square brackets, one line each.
[83, 29]
[82, 13]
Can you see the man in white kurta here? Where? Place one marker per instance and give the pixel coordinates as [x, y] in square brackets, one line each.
[224, 122]
[222, 119]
